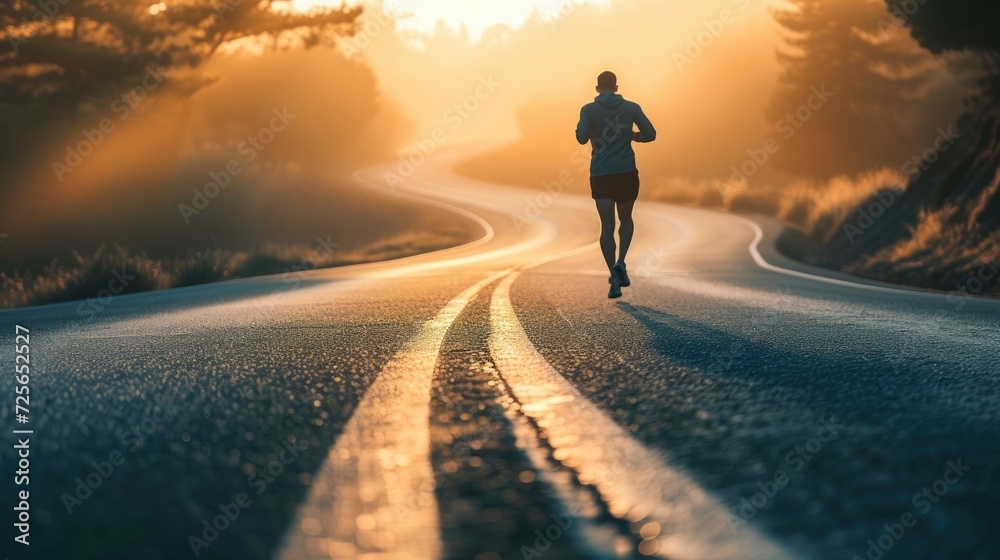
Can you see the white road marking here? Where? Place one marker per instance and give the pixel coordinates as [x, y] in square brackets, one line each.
[762, 262]
[637, 483]
[590, 530]
[545, 233]
[374, 495]
[563, 272]
[489, 232]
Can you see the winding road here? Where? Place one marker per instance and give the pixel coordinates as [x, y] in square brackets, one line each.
[488, 402]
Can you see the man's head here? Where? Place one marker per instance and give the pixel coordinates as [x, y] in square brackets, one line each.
[607, 82]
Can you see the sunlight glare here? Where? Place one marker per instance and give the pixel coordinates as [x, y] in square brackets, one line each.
[475, 17]
[306, 5]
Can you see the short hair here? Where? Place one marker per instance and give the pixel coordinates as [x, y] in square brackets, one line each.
[607, 80]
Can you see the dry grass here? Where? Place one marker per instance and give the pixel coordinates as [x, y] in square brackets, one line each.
[945, 248]
[95, 275]
[818, 208]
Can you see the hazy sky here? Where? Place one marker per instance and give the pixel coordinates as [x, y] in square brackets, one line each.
[475, 15]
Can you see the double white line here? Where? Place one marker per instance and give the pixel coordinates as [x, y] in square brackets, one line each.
[676, 518]
[375, 493]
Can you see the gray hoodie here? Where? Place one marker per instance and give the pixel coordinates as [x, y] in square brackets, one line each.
[607, 125]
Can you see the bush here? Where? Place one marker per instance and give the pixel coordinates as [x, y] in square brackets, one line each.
[767, 203]
[799, 212]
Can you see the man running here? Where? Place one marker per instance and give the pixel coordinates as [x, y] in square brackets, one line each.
[614, 179]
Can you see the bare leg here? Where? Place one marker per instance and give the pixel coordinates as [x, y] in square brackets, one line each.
[606, 210]
[626, 230]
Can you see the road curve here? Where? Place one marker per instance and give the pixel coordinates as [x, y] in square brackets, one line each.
[488, 402]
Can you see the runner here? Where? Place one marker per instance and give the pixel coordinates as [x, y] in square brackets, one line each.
[607, 124]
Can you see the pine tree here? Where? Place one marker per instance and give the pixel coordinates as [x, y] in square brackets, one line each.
[957, 25]
[875, 78]
[61, 58]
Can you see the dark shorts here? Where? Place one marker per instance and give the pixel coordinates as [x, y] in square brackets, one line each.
[620, 187]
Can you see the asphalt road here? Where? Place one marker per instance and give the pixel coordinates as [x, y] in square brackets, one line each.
[488, 402]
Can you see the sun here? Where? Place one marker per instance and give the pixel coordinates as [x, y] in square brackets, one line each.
[475, 17]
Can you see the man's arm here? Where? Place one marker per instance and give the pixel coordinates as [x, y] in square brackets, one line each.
[646, 131]
[583, 128]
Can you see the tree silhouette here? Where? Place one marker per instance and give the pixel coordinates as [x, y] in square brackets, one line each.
[957, 25]
[875, 82]
[966, 25]
[946, 224]
[60, 58]
[952, 25]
